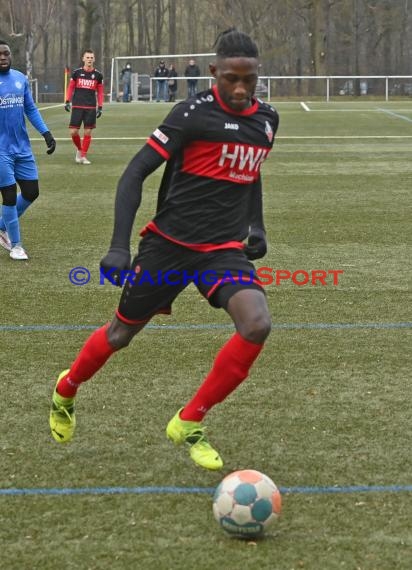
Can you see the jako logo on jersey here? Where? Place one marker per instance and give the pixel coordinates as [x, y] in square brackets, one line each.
[232, 126]
[161, 136]
[268, 131]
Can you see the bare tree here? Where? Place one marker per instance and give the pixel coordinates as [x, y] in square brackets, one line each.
[316, 37]
[172, 27]
[31, 19]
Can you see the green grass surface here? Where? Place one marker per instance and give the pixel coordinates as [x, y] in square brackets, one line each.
[322, 407]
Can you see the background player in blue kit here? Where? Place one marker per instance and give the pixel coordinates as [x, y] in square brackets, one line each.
[210, 201]
[17, 164]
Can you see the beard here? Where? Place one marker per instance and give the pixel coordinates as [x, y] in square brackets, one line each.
[5, 69]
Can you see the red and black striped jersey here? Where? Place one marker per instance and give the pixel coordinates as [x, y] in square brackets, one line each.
[214, 156]
[83, 88]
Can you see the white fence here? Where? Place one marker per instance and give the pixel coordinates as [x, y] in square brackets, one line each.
[274, 87]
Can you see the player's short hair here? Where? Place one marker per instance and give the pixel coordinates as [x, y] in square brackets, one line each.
[87, 51]
[233, 43]
[4, 43]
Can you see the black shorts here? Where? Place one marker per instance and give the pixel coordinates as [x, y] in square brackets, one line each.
[162, 269]
[85, 116]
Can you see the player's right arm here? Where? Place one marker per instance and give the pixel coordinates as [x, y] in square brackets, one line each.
[127, 202]
[70, 91]
[161, 145]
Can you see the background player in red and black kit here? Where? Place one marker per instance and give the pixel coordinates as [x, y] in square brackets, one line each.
[210, 201]
[85, 84]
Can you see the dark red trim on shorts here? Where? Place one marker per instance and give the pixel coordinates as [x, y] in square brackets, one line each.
[76, 127]
[137, 322]
[203, 247]
[227, 281]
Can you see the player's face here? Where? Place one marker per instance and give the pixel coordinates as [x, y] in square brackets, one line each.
[236, 79]
[88, 60]
[5, 58]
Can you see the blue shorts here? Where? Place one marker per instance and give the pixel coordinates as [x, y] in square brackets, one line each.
[14, 168]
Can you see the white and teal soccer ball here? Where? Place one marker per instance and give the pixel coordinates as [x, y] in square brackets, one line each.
[246, 503]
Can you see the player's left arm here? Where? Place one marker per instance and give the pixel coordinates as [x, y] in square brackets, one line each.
[35, 118]
[100, 98]
[256, 244]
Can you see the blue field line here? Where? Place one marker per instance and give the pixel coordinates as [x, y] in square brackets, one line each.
[210, 326]
[198, 490]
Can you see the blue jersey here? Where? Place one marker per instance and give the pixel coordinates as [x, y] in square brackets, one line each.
[16, 101]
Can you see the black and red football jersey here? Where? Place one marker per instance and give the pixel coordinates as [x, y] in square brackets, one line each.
[214, 158]
[85, 88]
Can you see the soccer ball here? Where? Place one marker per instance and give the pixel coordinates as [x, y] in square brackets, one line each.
[246, 502]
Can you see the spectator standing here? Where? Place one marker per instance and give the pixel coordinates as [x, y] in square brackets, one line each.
[161, 73]
[172, 83]
[192, 71]
[126, 79]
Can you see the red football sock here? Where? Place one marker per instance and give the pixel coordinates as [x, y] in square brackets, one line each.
[77, 141]
[91, 358]
[87, 139]
[230, 368]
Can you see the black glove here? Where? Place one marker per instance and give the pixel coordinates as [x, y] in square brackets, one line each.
[51, 143]
[99, 112]
[113, 264]
[256, 245]
[67, 106]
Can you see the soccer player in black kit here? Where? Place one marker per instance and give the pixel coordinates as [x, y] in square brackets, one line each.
[210, 201]
[84, 92]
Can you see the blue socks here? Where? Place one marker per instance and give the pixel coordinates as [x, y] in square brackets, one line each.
[22, 205]
[10, 223]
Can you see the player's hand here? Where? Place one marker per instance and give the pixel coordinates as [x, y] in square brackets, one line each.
[114, 263]
[256, 245]
[50, 142]
[67, 106]
[99, 112]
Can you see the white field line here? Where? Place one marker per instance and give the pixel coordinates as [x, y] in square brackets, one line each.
[304, 106]
[325, 137]
[396, 115]
[51, 107]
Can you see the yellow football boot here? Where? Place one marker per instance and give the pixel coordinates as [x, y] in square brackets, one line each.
[62, 418]
[193, 434]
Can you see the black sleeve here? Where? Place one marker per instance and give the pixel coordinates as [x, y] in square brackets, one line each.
[256, 224]
[129, 194]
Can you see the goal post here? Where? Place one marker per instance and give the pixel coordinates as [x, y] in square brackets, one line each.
[143, 67]
[34, 86]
